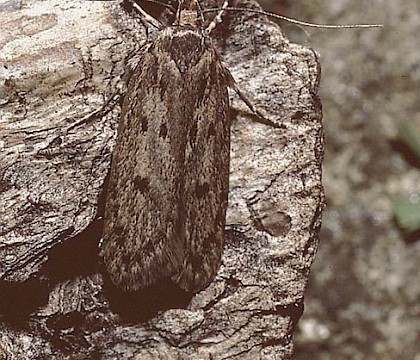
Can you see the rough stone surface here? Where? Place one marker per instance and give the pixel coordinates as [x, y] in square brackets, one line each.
[61, 60]
[362, 299]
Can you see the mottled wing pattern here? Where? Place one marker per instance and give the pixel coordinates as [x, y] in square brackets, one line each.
[167, 195]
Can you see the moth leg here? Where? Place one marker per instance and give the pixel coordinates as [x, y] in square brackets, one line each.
[146, 17]
[103, 110]
[261, 118]
[217, 19]
[246, 100]
[100, 112]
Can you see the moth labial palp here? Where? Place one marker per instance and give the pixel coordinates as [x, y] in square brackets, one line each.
[169, 178]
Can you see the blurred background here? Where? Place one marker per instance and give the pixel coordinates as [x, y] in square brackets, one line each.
[363, 297]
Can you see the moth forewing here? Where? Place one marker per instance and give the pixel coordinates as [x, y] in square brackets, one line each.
[167, 195]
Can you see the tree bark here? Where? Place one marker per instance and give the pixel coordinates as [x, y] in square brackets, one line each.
[60, 61]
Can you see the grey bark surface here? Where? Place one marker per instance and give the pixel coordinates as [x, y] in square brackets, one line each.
[60, 61]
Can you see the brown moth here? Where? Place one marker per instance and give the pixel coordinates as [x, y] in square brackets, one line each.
[167, 196]
[169, 180]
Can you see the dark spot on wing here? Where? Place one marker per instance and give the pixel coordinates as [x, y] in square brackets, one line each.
[144, 124]
[202, 190]
[163, 131]
[142, 184]
[212, 130]
[193, 133]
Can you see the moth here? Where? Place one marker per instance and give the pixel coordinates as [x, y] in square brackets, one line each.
[169, 178]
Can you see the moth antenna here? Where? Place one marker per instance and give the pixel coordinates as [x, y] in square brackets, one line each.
[200, 10]
[293, 21]
[218, 18]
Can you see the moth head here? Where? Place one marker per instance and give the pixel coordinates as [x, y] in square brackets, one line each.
[188, 13]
